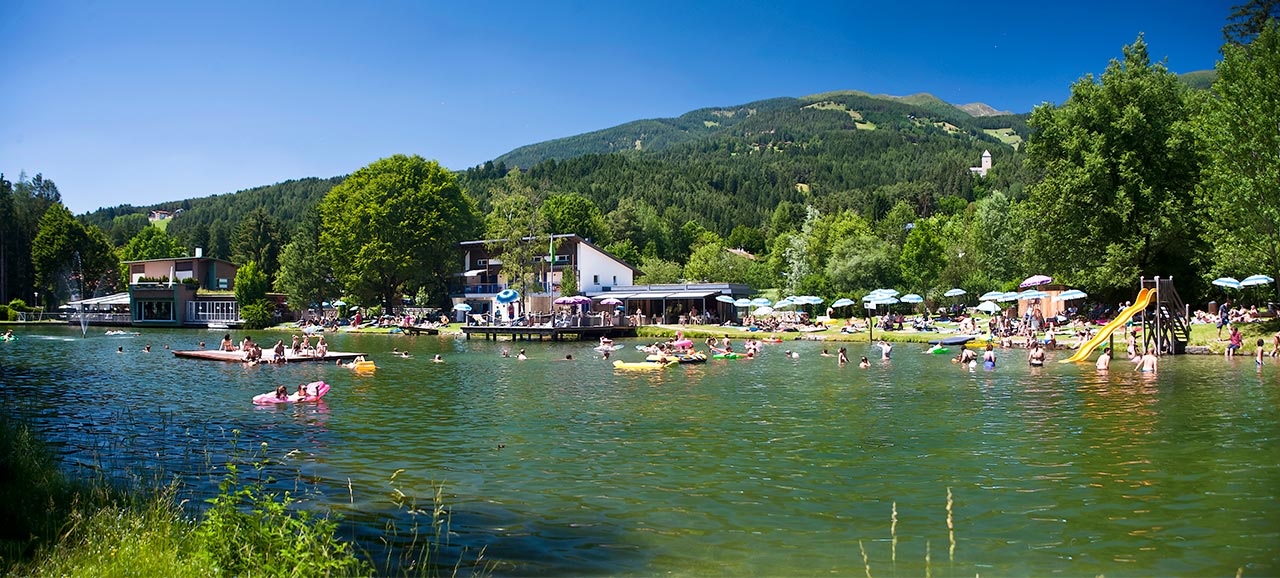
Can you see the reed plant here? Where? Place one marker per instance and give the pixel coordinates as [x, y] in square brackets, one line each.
[55, 525]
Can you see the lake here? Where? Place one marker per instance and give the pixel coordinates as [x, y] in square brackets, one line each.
[771, 466]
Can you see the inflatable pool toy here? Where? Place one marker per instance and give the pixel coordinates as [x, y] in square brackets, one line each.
[939, 350]
[360, 364]
[642, 364]
[772, 340]
[314, 391]
[680, 341]
[122, 332]
[956, 340]
[728, 356]
[604, 348]
[693, 357]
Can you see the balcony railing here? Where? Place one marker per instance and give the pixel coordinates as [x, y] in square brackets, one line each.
[495, 288]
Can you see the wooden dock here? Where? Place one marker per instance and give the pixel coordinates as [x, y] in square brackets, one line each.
[555, 333]
[418, 330]
[268, 356]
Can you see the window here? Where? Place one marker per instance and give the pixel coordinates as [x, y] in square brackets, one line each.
[153, 311]
[595, 279]
[562, 258]
[481, 262]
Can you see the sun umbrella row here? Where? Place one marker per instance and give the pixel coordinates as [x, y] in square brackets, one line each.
[1250, 281]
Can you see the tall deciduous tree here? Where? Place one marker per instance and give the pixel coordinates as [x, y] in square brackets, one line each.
[1120, 163]
[574, 214]
[1241, 132]
[518, 236]
[71, 260]
[251, 293]
[922, 259]
[395, 222]
[150, 243]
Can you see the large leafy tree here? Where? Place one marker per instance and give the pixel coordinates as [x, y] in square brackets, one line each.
[922, 258]
[1241, 133]
[1120, 164]
[395, 225]
[71, 260]
[574, 214]
[151, 243]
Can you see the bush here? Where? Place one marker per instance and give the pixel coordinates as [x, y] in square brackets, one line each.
[258, 315]
[19, 306]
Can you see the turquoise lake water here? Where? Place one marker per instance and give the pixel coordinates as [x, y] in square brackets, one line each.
[773, 466]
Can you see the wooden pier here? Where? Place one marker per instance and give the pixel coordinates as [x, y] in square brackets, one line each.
[268, 356]
[418, 330]
[517, 333]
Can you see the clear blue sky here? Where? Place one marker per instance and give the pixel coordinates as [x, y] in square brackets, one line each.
[143, 102]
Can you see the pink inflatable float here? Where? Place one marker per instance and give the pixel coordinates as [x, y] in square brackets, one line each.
[681, 342]
[312, 392]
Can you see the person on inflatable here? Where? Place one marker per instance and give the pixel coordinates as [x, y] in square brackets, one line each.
[282, 392]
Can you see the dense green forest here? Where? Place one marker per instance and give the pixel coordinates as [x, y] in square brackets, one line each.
[1137, 174]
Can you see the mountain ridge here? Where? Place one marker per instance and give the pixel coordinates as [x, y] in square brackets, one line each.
[661, 133]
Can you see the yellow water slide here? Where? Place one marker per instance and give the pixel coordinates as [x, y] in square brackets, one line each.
[1143, 300]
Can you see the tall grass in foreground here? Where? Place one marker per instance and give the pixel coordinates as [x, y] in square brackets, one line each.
[57, 526]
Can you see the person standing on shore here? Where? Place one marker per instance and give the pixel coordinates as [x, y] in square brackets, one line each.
[1223, 317]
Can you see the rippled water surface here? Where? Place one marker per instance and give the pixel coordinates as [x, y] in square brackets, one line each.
[772, 466]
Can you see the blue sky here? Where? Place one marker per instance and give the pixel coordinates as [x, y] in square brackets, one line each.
[144, 102]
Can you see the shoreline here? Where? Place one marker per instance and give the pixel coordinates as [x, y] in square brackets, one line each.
[1204, 340]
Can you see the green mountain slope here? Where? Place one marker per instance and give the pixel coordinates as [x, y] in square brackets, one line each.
[641, 135]
[652, 135]
[833, 151]
[1201, 79]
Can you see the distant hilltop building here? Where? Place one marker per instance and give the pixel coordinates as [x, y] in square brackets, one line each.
[986, 165]
[160, 214]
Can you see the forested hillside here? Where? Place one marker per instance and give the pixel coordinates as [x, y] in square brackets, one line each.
[210, 222]
[654, 135]
[834, 151]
